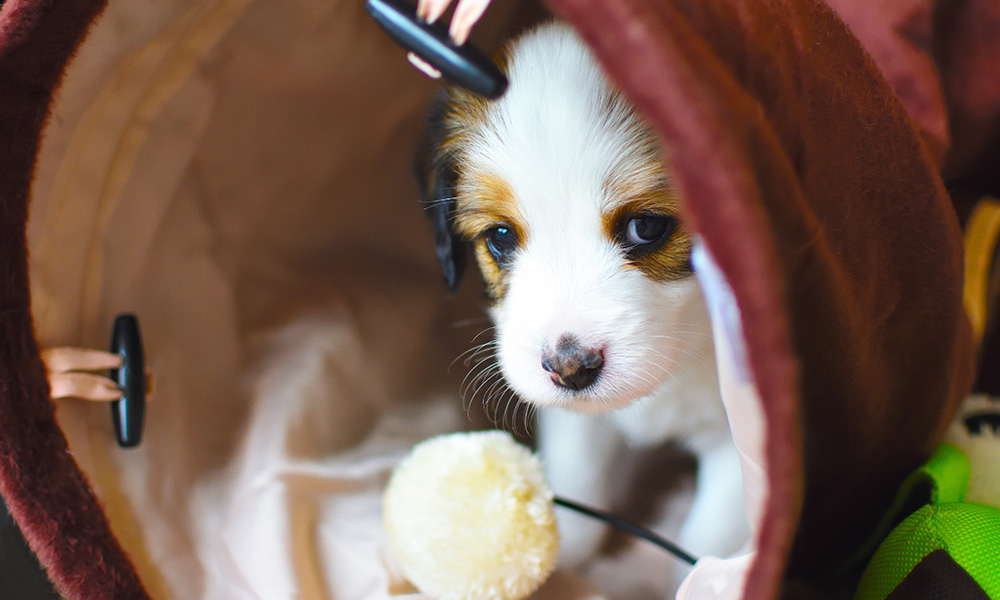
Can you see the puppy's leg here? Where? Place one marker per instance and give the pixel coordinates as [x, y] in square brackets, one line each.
[578, 452]
[717, 524]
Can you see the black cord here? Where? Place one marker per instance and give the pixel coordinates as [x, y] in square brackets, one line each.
[627, 527]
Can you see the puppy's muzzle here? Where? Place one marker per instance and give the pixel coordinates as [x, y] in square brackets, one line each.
[573, 366]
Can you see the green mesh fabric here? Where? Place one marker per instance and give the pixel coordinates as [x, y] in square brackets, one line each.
[949, 470]
[943, 478]
[970, 533]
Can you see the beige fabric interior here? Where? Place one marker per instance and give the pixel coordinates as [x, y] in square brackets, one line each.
[237, 173]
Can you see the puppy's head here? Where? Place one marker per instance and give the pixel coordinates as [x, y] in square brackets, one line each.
[561, 192]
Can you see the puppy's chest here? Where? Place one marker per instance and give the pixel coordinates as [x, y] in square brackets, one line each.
[690, 413]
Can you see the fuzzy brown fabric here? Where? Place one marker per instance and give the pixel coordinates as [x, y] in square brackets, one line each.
[942, 57]
[42, 486]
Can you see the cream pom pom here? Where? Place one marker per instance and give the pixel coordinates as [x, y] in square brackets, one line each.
[470, 517]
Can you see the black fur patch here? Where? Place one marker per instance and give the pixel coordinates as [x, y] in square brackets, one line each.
[437, 177]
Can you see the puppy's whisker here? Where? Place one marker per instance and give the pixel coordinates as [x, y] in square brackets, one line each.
[472, 321]
[646, 377]
[498, 381]
[699, 359]
[671, 364]
[484, 331]
[467, 400]
[506, 409]
[470, 354]
[527, 418]
[680, 342]
[429, 204]
[487, 397]
[677, 340]
[481, 379]
[519, 407]
[492, 402]
[706, 326]
[485, 355]
[512, 405]
[668, 370]
[693, 328]
[501, 397]
[494, 379]
[481, 351]
[506, 399]
[466, 382]
[695, 356]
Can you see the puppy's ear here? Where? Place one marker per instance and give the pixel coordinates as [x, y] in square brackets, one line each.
[437, 177]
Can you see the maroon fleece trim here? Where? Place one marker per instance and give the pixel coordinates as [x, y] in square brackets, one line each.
[44, 489]
[810, 185]
[656, 63]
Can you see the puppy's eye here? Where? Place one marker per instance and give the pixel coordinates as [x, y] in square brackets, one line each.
[647, 231]
[501, 242]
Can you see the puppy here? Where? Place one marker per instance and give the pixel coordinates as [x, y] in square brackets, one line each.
[561, 191]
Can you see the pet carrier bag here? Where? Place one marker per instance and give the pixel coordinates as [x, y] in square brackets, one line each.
[237, 176]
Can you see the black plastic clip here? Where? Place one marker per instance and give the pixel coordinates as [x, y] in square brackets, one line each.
[129, 413]
[464, 65]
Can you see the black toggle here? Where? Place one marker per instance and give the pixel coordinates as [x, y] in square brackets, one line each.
[129, 413]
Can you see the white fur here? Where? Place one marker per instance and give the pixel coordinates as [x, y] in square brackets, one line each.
[554, 141]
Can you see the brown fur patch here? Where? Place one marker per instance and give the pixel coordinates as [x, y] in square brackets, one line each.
[485, 201]
[670, 261]
[493, 276]
[643, 186]
[465, 114]
[482, 200]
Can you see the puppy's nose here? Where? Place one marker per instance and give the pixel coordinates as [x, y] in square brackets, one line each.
[573, 366]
